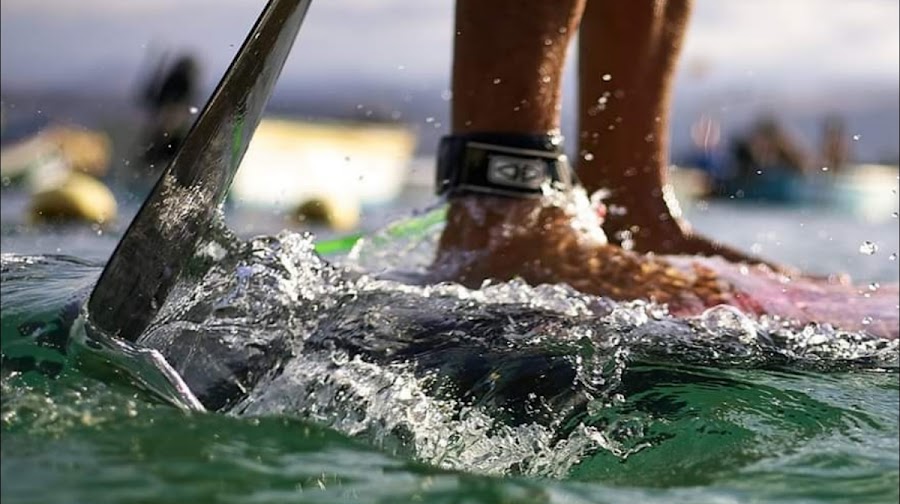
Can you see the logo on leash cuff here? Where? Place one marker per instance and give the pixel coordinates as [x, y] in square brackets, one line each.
[519, 167]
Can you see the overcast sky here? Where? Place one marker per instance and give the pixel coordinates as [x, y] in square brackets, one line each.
[69, 43]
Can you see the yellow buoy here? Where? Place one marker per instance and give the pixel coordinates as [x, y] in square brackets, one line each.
[79, 197]
[340, 214]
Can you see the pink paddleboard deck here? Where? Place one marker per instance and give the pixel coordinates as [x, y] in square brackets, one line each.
[760, 291]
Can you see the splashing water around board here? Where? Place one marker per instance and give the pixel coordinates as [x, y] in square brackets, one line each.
[508, 379]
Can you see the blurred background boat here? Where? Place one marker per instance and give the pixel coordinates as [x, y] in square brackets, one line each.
[767, 163]
[863, 189]
[60, 166]
[342, 165]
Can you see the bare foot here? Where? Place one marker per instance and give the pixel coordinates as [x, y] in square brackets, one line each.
[542, 242]
[558, 240]
[655, 225]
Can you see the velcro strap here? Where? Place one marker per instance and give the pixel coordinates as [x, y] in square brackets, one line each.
[515, 166]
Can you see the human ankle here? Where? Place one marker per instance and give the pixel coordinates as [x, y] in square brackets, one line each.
[570, 209]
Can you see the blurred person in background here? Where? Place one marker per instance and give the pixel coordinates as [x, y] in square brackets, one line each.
[168, 97]
[835, 149]
[768, 164]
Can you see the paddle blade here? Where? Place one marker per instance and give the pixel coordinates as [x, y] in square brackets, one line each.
[163, 236]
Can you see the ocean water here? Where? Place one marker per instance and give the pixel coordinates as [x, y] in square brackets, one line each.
[325, 385]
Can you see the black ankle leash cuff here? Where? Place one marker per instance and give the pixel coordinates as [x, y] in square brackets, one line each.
[502, 164]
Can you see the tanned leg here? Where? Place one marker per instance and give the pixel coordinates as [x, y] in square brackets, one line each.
[508, 60]
[508, 64]
[628, 52]
[507, 73]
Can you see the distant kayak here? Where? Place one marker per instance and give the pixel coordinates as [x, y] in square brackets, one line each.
[860, 189]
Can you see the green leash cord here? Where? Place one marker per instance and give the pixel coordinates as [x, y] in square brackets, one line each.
[403, 228]
[340, 245]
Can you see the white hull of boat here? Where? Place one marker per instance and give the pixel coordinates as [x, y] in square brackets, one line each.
[290, 162]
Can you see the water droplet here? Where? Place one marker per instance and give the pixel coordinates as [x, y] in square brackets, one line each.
[606, 77]
[588, 156]
[193, 110]
[856, 138]
[617, 210]
[824, 168]
[759, 172]
[548, 42]
[563, 29]
[497, 80]
[625, 317]
[728, 321]
[626, 240]
[446, 95]
[545, 79]
[874, 286]
[429, 119]
[866, 320]
[868, 248]
[892, 257]
[894, 214]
